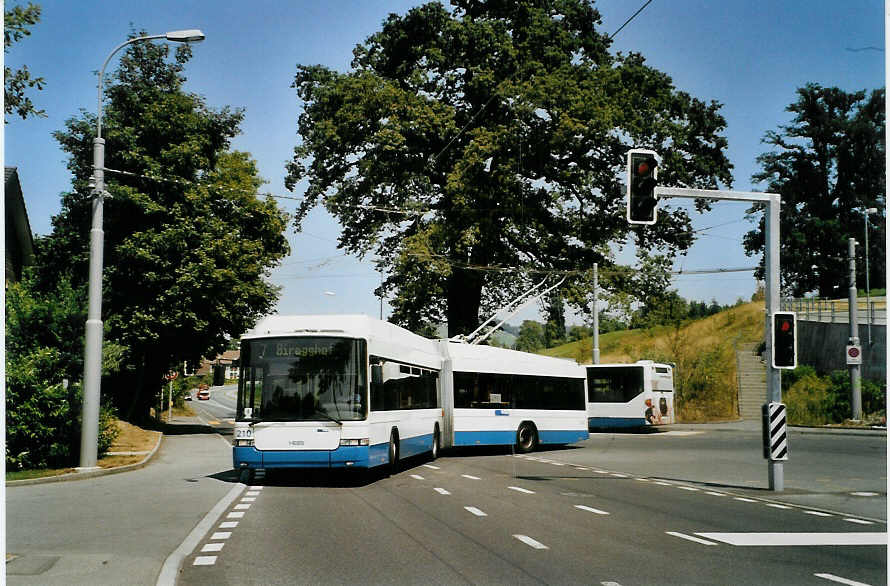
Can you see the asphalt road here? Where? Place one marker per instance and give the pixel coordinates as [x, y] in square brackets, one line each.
[689, 506]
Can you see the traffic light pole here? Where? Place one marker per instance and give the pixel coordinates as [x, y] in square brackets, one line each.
[773, 285]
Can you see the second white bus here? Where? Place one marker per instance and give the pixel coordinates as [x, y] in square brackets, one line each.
[630, 395]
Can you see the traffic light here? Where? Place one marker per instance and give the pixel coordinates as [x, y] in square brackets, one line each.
[642, 177]
[784, 340]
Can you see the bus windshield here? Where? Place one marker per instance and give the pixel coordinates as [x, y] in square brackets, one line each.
[302, 379]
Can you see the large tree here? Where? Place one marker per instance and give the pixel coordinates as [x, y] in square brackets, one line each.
[493, 137]
[828, 165]
[188, 245]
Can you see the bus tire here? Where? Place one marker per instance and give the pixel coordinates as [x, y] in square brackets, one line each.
[526, 437]
[245, 476]
[394, 452]
[434, 452]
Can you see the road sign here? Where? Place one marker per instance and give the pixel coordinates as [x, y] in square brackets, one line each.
[775, 435]
[171, 375]
[854, 355]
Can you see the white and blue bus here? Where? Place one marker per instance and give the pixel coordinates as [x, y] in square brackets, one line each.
[349, 391]
[335, 391]
[505, 397]
[630, 395]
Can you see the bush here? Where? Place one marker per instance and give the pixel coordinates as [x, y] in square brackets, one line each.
[818, 400]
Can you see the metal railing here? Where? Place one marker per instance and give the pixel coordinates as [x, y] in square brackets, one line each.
[837, 310]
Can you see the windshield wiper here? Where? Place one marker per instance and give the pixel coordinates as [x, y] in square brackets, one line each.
[328, 417]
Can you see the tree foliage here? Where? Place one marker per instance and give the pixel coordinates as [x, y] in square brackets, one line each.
[492, 136]
[16, 23]
[828, 166]
[188, 245]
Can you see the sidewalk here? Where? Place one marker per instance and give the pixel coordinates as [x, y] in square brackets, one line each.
[117, 528]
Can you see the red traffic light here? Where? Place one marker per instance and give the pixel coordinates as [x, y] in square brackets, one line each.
[643, 168]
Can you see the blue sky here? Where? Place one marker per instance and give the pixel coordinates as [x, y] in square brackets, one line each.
[749, 55]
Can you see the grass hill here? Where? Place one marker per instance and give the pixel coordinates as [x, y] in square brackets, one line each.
[703, 352]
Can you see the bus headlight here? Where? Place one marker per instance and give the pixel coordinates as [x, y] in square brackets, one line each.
[354, 442]
[244, 443]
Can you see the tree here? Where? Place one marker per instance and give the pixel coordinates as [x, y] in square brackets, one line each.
[492, 137]
[16, 21]
[828, 167]
[189, 246]
[555, 328]
[531, 336]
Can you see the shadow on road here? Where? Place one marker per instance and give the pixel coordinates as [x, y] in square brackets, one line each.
[186, 429]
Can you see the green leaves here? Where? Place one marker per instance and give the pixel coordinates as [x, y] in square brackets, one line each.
[507, 124]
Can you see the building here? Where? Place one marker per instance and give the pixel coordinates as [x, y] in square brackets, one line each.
[19, 240]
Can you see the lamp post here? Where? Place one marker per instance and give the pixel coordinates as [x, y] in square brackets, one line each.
[92, 368]
[867, 287]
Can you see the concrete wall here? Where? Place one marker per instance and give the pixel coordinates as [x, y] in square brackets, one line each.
[823, 346]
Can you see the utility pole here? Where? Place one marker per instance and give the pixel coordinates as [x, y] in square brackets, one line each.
[855, 373]
[596, 316]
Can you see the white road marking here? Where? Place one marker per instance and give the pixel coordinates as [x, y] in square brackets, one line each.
[234, 515]
[744, 500]
[242, 506]
[212, 547]
[863, 493]
[430, 466]
[690, 538]
[248, 499]
[417, 477]
[582, 468]
[712, 493]
[557, 463]
[797, 539]
[520, 489]
[610, 583]
[601, 471]
[252, 493]
[531, 542]
[777, 506]
[643, 479]
[221, 535]
[476, 511]
[471, 477]
[255, 488]
[817, 513]
[840, 580]
[205, 560]
[616, 475]
[228, 524]
[661, 483]
[859, 521]
[441, 491]
[689, 488]
[591, 510]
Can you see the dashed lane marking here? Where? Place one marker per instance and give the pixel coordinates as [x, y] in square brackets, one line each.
[221, 535]
[476, 511]
[690, 538]
[531, 542]
[235, 515]
[242, 506]
[817, 513]
[859, 521]
[840, 580]
[431, 467]
[417, 477]
[205, 560]
[228, 524]
[591, 510]
[520, 489]
[471, 477]
[441, 491]
[212, 547]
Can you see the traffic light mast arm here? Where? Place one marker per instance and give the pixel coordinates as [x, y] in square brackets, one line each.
[682, 192]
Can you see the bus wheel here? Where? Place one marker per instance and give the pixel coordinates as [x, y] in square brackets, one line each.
[245, 476]
[434, 453]
[526, 438]
[394, 452]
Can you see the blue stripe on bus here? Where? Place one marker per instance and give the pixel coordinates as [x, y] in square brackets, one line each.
[342, 457]
[597, 422]
[506, 438]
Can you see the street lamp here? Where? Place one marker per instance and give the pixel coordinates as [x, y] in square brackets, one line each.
[867, 287]
[92, 367]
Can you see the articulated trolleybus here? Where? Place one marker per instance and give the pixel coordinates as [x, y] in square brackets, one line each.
[630, 395]
[349, 391]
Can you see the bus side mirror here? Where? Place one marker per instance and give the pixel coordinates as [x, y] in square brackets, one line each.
[377, 374]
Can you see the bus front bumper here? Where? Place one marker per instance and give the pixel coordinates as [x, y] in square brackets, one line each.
[342, 457]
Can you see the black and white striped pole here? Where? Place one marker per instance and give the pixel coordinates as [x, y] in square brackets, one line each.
[775, 432]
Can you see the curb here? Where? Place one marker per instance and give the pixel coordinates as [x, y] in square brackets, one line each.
[90, 473]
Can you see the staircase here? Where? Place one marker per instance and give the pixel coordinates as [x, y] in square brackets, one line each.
[752, 381]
